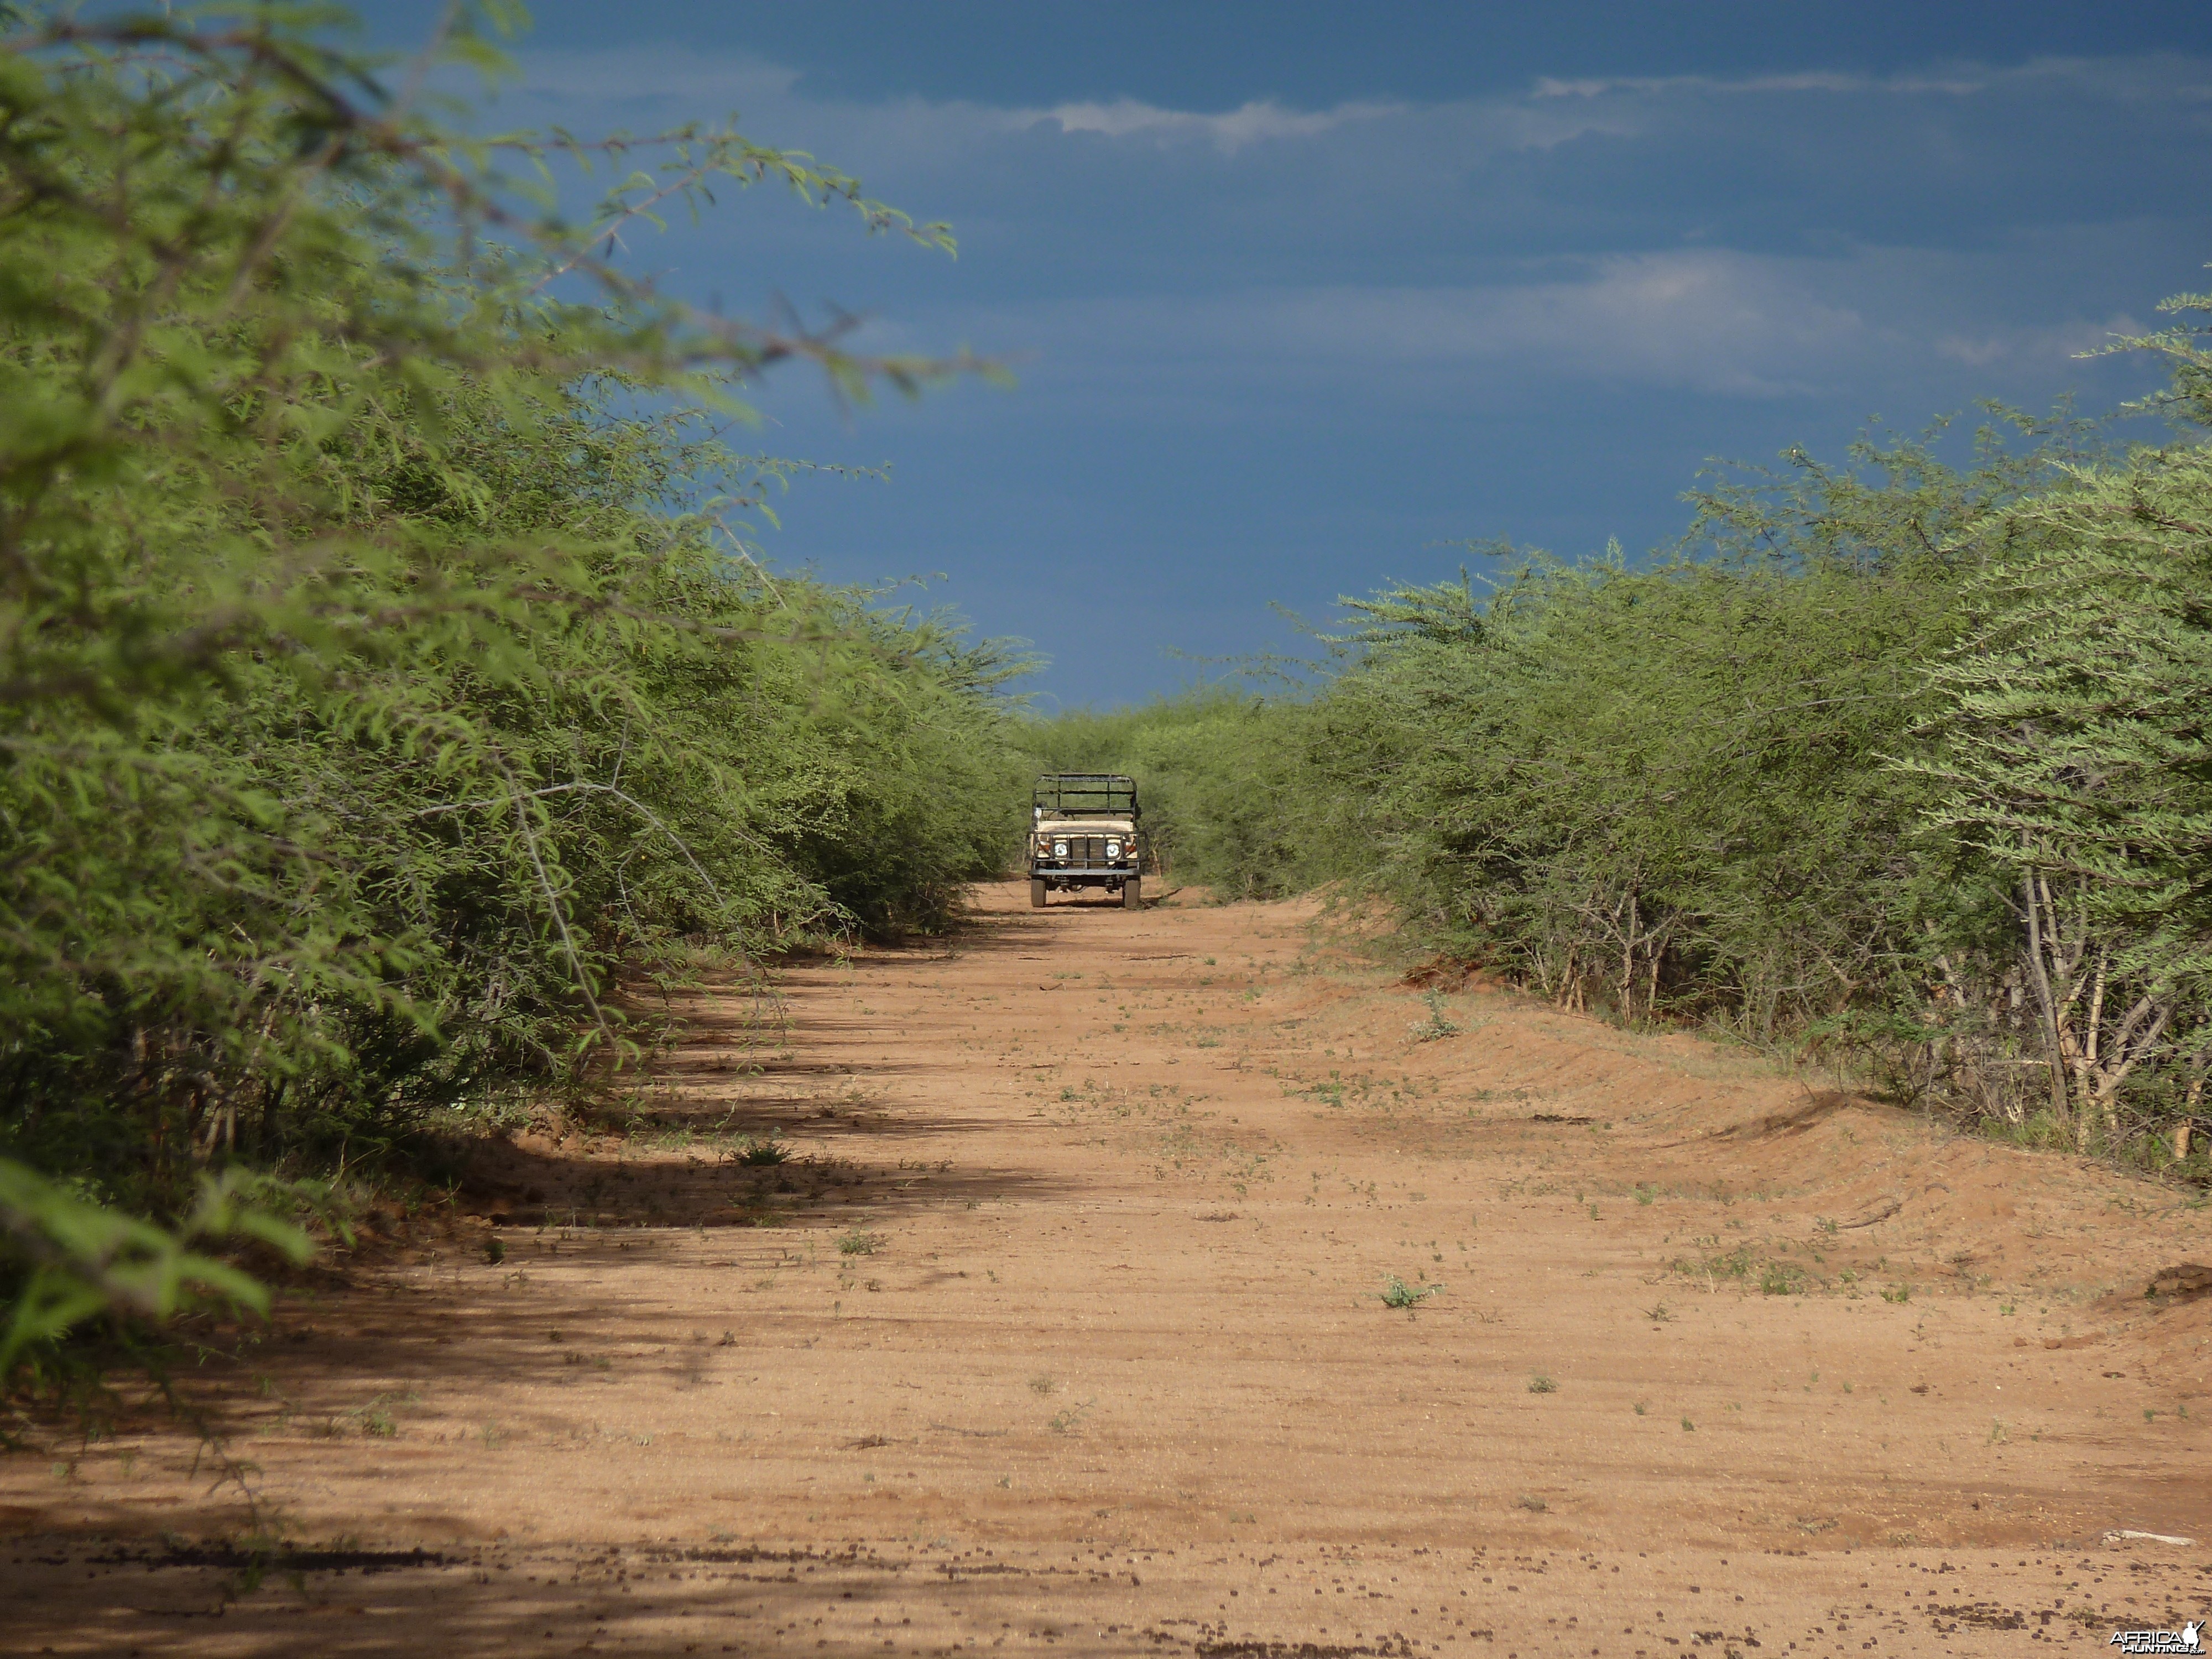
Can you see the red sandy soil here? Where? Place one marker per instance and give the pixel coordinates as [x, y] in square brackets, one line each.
[1063, 1330]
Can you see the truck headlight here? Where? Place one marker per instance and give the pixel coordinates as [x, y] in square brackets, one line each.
[1113, 852]
[1059, 849]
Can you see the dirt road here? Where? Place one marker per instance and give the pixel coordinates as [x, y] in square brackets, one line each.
[1066, 1327]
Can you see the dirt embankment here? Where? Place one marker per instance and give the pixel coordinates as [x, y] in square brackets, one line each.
[1066, 1324]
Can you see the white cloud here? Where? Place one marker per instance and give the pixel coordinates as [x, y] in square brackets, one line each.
[1707, 321]
[1704, 322]
[1413, 236]
[1552, 111]
[1704, 85]
[2044, 347]
[706, 84]
[1249, 123]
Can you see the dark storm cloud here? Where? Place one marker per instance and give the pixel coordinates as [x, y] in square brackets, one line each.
[1531, 310]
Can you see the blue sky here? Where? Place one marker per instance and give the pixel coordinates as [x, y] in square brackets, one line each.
[1301, 294]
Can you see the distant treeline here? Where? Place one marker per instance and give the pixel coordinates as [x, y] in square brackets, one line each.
[1897, 761]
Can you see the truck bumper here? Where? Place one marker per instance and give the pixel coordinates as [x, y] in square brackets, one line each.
[1064, 876]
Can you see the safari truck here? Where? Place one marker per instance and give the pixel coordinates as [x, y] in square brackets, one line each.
[1083, 830]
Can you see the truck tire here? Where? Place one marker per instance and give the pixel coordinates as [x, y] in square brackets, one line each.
[1036, 892]
[1132, 893]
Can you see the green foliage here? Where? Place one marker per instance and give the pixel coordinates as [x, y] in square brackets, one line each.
[1642, 786]
[1670, 789]
[1397, 1293]
[388, 687]
[2076, 729]
[68, 1261]
[2075, 717]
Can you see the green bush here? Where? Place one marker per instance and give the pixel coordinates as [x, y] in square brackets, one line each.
[386, 683]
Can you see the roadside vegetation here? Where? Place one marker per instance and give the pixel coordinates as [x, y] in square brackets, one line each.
[1903, 764]
[390, 692]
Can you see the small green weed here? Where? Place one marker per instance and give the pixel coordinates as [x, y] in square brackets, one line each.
[1540, 1383]
[1397, 1293]
[1069, 1420]
[1718, 1264]
[858, 1242]
[1436, 1025]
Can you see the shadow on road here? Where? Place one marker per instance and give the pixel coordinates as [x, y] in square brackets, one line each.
[497, 1600]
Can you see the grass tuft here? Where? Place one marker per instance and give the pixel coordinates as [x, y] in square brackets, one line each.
[1436, 1025]
[1397, 1293]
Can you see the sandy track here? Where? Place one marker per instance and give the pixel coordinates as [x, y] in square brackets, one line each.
[1063, 1330]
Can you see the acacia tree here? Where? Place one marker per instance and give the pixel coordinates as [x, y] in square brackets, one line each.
[2077, 753]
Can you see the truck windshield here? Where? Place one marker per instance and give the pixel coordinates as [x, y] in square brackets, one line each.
[1086, 794]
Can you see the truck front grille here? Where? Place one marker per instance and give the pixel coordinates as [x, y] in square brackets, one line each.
[1087, 852]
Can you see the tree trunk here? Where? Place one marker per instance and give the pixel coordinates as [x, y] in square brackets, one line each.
[2040, 976]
